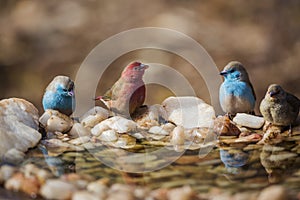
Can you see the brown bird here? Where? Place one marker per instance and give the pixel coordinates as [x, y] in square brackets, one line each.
[279, 107]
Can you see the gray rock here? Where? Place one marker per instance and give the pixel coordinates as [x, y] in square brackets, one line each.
[19, 125]
[189, 112]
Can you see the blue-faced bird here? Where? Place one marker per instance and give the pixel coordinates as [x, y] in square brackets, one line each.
[60, 96]
[236, 93]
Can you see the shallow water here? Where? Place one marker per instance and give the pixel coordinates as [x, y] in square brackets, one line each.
[232, 168]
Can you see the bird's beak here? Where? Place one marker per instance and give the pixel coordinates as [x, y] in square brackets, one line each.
[273, 93]
[97, 98]
[222, 73]
[143, 66]
[71, 93]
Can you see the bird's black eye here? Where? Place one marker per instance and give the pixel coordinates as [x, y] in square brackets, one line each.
[136, 68]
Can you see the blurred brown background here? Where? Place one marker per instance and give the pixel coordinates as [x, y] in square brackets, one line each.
[41, 39]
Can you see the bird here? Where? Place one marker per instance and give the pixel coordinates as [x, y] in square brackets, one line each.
[128, 92]
[236, 93]
[279, 107]
[59, 95]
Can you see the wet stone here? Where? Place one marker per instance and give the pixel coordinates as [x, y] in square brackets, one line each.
[57, 189]
[80, 140]
[78, 130]
[108, 136]
[158, 130]
[275, 192]
[6, 172]
[249, 121]
[94, 116]
[225, 127]
[80, 195]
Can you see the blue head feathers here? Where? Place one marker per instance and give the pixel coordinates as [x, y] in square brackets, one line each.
[59, 95]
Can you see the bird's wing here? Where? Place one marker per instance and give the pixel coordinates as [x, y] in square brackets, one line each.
[113, 92]
[294, 101]
[138, 97]
[107, 95]
[252, 90]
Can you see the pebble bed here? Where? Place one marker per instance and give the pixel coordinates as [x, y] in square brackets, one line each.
[111, 157]
[234, 169]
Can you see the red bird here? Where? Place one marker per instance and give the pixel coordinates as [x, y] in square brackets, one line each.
[128, 93]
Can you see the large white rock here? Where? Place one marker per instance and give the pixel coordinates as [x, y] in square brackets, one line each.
[249, 121]
[188, 111]
[18, 125]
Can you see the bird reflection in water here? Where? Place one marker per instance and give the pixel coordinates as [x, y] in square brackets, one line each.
[234, 159]
[278, 162]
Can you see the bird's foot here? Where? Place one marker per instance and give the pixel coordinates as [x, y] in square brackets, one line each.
[75, 119]
[230, 116]
[290, 130]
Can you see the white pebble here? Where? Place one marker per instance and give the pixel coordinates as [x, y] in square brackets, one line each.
[121, 124]
[92, 120]
[80, 140]
[6, 172]
[79, 130]
[85, 195]
[183, 193]
[158, 130]
[108, 136]
[249, 121]
[274, 192]
[97, 110]
[56, 123]
[178, 136]
[99, 188]
[99, 128]
[57, 189]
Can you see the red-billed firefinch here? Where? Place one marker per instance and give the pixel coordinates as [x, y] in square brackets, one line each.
[128, 93]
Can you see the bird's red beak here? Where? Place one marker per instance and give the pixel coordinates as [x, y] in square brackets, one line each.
[97, 98]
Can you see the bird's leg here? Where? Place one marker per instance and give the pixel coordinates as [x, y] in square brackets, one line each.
[290, 130]
[230, 116]
[251, 112]
[75, 119]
